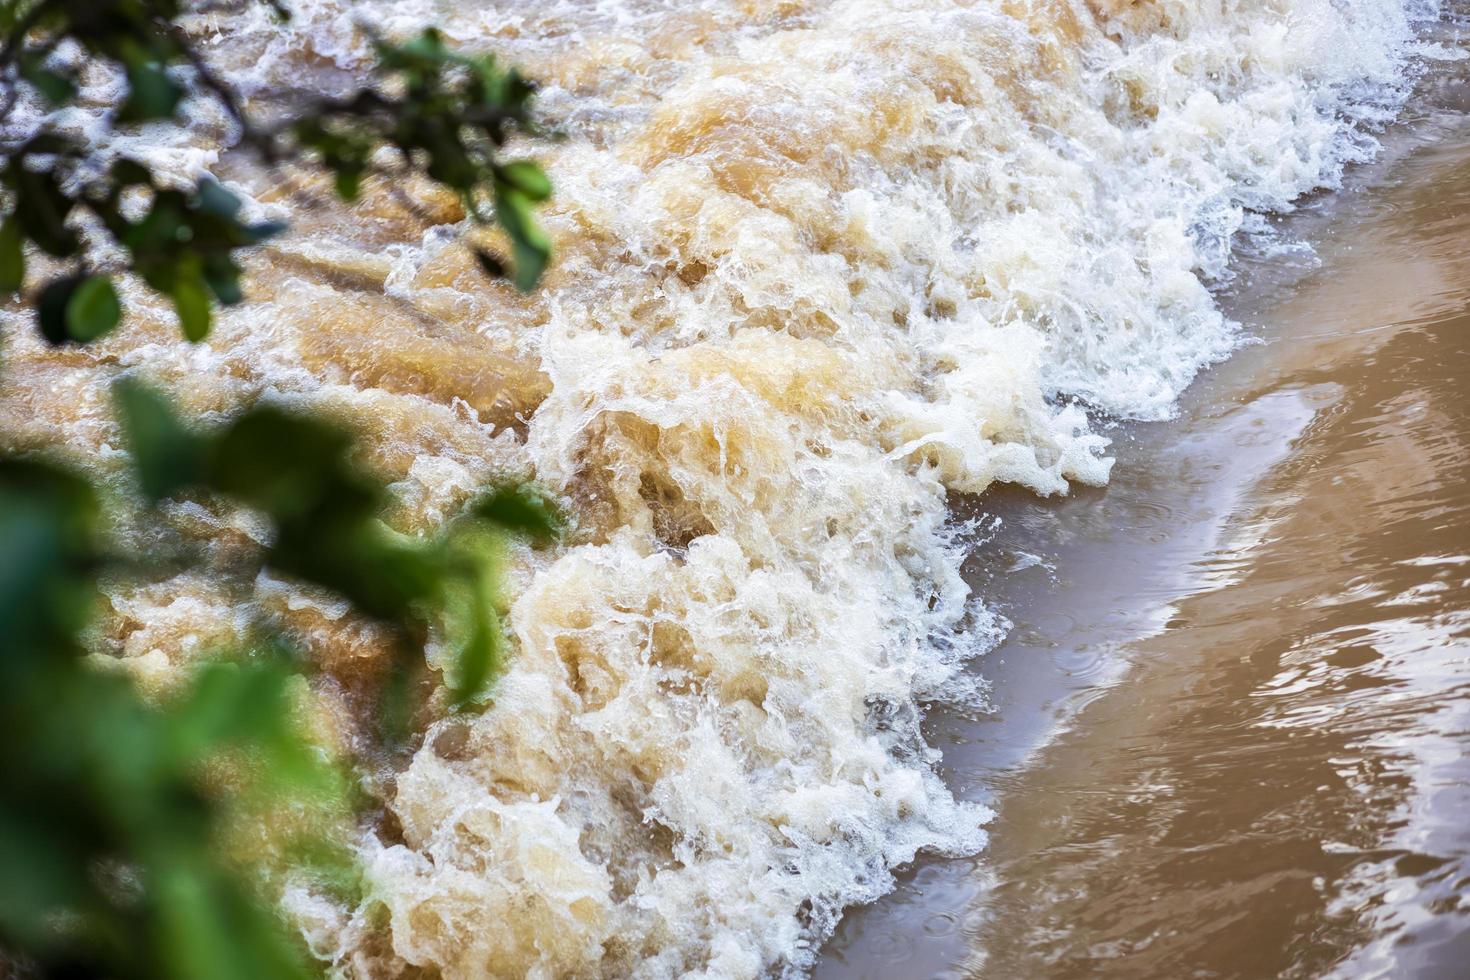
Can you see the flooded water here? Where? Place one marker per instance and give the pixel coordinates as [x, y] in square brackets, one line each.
[1233, 719]
[838, 284]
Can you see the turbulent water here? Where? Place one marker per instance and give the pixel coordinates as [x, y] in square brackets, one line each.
[819, 265]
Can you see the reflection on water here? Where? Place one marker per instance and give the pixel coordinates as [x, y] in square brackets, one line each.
[1280, 787]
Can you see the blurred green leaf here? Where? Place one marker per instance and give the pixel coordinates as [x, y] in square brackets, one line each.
[529, 244]
[167, 457]
[110, 857]
[223, 278]
[152, 94]
[480, 640]
[191, 303]
[48, 526]
[263, 231]
[129, 173]
[348, 183]
[42, 208]
[528, 178]
[214, 199]
[520, 509]
[111, 818]
[39, 876]
[55, 88]
[12, 257]
[51, 307]
[286, 465]
[92, 310]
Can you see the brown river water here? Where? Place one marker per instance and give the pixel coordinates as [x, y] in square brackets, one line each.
[1233, 717]
[877, 646]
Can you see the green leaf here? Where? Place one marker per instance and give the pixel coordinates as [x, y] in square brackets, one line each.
[191, 303]
[130, 172]
[214, 199]
[193, 926]
[167, 457]
[92, 310]
[151, 93]
[48, 523]
[12, 257]
[528, 178]
[41, 876]
[55, 88]
[531, 260]
[162, 229]
[522, 510]
[52, 142]
[284, 464]
[223, 277]
[42, 208]
[51, 308]
[261, 231]
[531, 247]
[480, 654]
[348, 184]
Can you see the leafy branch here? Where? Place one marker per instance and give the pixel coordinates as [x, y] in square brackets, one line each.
[297, 472]
[443, 113]
[114, 814]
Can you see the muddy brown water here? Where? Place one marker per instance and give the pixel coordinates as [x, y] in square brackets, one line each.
[1232, 718]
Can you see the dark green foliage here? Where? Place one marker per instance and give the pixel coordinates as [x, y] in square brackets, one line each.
[297, 472]
[77, 309]
[117, 814]
[454, 114]
[110, 832]
[93, 309]
[446, 114]
[40, 208]
[136, 34]
[113, 815]
[182, 245]
[51, 308]
[167, 456]
[521, 508]
[12, 257]
[48, 522]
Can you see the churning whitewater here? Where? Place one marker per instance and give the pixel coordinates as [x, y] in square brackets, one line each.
[820, 263]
